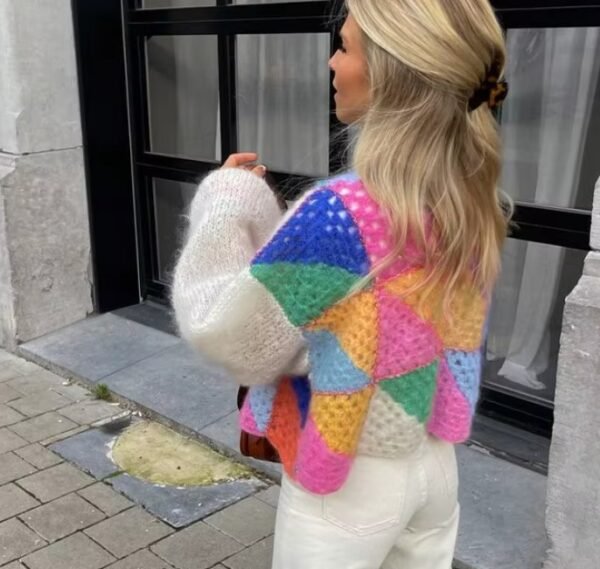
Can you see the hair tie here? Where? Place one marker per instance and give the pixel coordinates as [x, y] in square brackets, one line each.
[492, 90]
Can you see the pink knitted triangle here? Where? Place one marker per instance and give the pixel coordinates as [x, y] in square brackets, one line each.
[406, 342]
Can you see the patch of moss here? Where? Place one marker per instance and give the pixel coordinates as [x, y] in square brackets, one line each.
[159, 455]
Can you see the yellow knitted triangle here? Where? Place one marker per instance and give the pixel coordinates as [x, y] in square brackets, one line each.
[340, 418]
[354, 322]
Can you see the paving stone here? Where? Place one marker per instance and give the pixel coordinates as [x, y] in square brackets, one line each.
[6, 356]
[234, 521]
[162, 382]
[17, 540]
[259, 556]
[37, 455]
[501, 504]
[10, 440]
[226, 430]
[99, 346]
[14, 565]
[55, 482]
[13, 501]
[9, 371]
[270, 496]
[141, 560]
[7, 393]
[39, 403]
[35, 382]
[73, 392]
[64, 435]
[75, 552]
[197, 547]
[105, 498]
[62, 517]
[13, 467]
[128, 531]
[43, 426]
[89, 451]
[180, 507]
[9, 416]
[88, 412]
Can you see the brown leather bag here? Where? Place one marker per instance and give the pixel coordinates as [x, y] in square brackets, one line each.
[251, 445]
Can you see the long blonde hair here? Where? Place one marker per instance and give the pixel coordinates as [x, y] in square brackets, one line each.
[419, 148]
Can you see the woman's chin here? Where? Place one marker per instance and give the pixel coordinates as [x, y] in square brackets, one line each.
[343, 116]
[347, 116]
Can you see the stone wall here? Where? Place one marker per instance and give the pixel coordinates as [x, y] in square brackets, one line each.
[573, 504]
[44, 232]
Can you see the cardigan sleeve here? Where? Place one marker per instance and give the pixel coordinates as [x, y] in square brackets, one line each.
[232, 215]
[243, 310]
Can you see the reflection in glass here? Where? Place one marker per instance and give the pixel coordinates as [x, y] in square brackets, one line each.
[183, 94]
[551, 118]
[283, 100]
[171, 202]
[526, 317]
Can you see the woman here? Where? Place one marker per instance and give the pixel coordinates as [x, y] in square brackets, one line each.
[375, 286]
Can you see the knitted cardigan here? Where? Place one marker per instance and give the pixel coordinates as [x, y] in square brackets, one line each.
[332, 375]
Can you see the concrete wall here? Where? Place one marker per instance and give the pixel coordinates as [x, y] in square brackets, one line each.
[573, 504]
[44, 232]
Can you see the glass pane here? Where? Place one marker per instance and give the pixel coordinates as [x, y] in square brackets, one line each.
[171, 202]
[526, 317]
[551, 118]
[150, 4]
[283, 100]
[183, 94]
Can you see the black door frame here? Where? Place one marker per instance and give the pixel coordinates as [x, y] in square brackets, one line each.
[129, 187]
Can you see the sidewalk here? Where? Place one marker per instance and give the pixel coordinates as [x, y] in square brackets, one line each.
[55, 516]
[136, 354]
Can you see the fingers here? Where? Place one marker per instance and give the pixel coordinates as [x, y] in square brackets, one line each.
[247, 161]
[240, 159]
[260, 171]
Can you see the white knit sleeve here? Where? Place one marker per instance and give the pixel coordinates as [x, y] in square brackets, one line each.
[220, 309]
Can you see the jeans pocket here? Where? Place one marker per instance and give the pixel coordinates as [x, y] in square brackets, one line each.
[371, 500]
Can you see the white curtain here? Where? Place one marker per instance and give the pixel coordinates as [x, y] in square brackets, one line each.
[283, 99]
[553, 76]
[282, 108]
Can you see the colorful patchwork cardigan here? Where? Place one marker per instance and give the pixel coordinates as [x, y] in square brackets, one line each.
[332, 374]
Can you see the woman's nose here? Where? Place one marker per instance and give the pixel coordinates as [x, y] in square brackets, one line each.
[331, 62]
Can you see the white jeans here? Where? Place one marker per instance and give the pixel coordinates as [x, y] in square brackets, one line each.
[390, 514]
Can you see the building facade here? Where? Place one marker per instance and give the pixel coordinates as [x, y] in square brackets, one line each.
[111, 110]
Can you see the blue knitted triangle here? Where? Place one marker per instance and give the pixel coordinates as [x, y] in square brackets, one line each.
[331, 370]
[322, 231]
[466, 369]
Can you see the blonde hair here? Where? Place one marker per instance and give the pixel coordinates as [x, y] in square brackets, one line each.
[418, 147]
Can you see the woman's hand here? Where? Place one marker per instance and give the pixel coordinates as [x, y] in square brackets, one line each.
[246, 161]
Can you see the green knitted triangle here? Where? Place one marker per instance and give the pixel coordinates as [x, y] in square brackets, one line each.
[304, 291]
[414, 391]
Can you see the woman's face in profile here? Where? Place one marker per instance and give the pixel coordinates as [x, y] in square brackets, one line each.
[351, 78]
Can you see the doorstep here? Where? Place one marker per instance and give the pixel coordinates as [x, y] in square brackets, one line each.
[135, 353]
